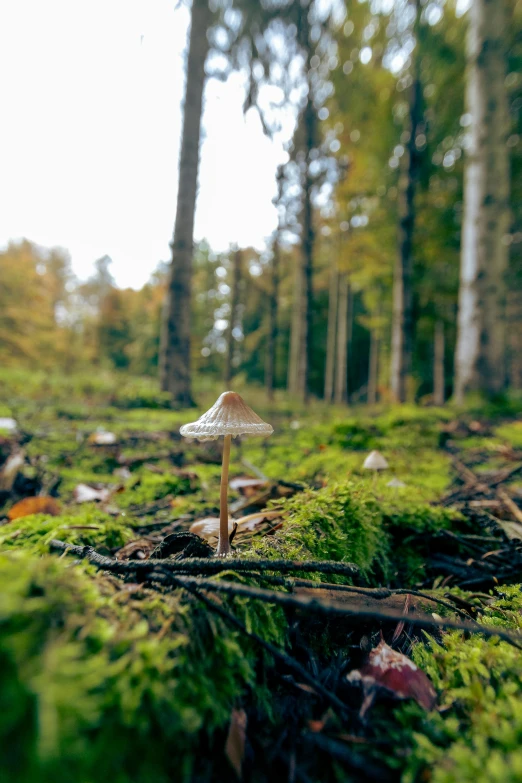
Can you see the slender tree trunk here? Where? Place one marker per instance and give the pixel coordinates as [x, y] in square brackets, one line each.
[373, 375]
[342, 342]
[480, 362]
[232, 322]
[514, 319]
[175, 374]
[295, 332]
[310, 120]
[349, 337]
[331, 334]
[438, 364]
[403, 326]
[272, 320]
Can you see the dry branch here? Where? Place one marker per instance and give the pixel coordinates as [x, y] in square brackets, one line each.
[168, 573]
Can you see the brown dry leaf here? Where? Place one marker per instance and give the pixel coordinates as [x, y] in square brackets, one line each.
[391, 673]
[135, 550]
[235, 744]
[83, 493]
[247, 486]
[37, 505]
[253, 521]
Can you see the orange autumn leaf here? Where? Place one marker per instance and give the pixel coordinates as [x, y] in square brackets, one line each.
[38, 505]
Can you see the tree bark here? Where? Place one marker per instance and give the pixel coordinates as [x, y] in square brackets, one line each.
[373, 375]
[272, 320]
[175, 373]
[403, 326]
[514, 320]
[295, 332]
[234, 304]
[331, 334]
[310, 120]
[480, 362]
[438, 364]
[342, 342]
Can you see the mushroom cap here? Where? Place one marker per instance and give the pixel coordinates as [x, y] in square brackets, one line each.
[230, 415]
[395, 482]
[375, 461]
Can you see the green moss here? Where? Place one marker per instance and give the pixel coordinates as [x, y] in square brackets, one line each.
[477, 736]
[86, 526]
[97, 683]
[152, 486]
[349, 522]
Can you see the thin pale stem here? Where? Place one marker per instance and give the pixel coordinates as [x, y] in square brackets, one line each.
[223, 547]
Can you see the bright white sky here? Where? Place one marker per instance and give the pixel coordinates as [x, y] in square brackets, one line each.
[90, 97]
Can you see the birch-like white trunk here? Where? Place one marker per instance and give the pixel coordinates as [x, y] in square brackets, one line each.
[480, 362]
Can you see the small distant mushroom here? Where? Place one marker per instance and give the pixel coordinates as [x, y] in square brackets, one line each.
[230, 416]
[375, 461]
[395, 482]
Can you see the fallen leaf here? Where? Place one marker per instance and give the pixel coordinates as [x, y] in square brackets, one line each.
[247, 486]
[8, 424]
[102, 438]
[253, 521]
[83, 493]
[10, 470]
[391, 673]
[37, 505]
[513, 530]
[122, 473]
[208, 527]
[400, 626]
[235, 744]
[135, 550]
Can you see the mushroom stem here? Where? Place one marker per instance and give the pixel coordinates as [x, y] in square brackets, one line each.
[223, 547]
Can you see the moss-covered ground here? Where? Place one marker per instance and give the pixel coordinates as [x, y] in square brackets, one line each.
[109, 680]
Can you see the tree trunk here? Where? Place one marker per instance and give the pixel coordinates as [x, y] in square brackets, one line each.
[403, 326]
[295, 332]
[480, 362]
[272, 320]
[514, 320]
[175, 375]
[234, 304]
[310, 121]
[438, 364]
[332, 333]
[373, 375]
[342, 342]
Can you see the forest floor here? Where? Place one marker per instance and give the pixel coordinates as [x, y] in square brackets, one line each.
[366, 627]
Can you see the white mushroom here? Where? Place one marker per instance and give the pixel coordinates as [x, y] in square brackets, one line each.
[395, 482]
[230, 416]
[375, 461]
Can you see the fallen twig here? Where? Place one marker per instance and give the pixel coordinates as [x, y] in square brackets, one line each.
[168, 573]
[206, 565]
[371, 592]
[333, 608]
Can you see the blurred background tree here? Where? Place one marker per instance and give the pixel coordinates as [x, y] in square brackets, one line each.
[355, 297]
